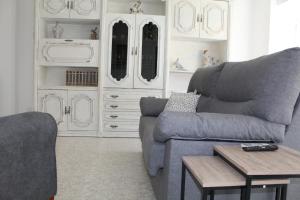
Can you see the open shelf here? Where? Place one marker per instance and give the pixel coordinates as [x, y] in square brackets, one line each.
[149, 7]
[55, 78]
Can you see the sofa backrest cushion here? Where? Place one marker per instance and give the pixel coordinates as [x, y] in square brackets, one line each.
[266, 87]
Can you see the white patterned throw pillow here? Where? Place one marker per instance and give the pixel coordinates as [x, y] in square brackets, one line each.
[182, 102]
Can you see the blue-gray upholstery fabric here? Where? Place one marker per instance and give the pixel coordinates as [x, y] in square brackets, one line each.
[266, 87]
[27, 157]
[215, 126]
[153, 151]
[151, 106]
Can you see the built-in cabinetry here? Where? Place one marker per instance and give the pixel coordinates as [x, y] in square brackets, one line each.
[81, 9]
[64, 43]
[73, 110]
[198, 33]
[133, 55]
[203, 19]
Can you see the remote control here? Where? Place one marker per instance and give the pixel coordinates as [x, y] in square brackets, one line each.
[259, 147]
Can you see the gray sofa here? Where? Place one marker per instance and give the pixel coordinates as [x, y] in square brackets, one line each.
[27, 157]
[253, 101]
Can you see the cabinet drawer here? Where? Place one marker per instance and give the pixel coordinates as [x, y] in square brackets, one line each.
[121, 126]
[122, 116]
[58, 52]
[128, 95]
[121, 106]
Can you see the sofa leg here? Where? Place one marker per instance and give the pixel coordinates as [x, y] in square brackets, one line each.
[51, 198]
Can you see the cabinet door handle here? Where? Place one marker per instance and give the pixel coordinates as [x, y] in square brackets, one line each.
[114, 116]
[114, 126]
[68, 5]
[136, 50]
[67, 110]
[132, 51]
[114, 96]
[114, 106]
[69, 40]
[198, 18]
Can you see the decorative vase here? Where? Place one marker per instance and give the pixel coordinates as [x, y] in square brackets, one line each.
[57, 31]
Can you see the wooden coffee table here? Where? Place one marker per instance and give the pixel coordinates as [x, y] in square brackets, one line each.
[281, 164]
[211, 173]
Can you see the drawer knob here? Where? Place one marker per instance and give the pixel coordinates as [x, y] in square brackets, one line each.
[114, 96]
[114, 116]
[114, 126]
[114, 106]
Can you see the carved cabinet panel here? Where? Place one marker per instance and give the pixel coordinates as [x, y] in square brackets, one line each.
[54, 102]
[56, 52]
[149, 61]
[186, 18]
[85, 9]
[84, 109]
[214, 25]
[54, 8]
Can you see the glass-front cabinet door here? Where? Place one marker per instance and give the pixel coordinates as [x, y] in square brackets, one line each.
[149, 57]
[120, 51]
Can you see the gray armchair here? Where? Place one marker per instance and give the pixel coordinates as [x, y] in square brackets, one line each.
[252, 101]
[27, 157]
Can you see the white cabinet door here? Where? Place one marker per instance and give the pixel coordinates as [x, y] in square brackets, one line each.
[85, 9]
[56, 52]
[214, 19]
[120, 50]
[54, 102]
[149, 59]
[186, 18]
[84, 109]
[54, 8]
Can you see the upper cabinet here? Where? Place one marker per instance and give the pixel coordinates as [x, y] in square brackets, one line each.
[135, 54]
[83, 9]
[204, 19]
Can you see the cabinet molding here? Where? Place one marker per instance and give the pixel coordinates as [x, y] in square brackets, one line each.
[74, 116]
[185, 16]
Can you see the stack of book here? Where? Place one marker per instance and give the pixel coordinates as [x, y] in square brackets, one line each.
[81, 78]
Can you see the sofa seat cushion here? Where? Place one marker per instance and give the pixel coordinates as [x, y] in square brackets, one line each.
[153, 151]
[215, 126]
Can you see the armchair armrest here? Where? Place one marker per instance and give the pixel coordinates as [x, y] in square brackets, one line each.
[216, 126]
[27, 152]
[151, 106]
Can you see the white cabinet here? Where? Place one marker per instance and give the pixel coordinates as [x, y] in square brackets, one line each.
[54, 102]
[83, 9]
[84, 110]
[135, 56]
[186, 18]
[204, 19]
[214, 22]
[72, 110]
[57, 52]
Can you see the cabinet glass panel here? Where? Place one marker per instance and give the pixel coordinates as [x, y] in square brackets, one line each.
[119, 50]
[149, 51]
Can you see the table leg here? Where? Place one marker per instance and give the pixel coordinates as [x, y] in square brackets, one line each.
[278, 193]
[204, 194]
[248, 189]
[284, 192]
[183, 181]
[243, 191]
[212, 195]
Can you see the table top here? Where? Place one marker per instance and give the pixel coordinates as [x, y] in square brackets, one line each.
[284, 161]
[212, 171]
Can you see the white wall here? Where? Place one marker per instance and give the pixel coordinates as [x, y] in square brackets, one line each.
[25, 55]
[285, 25]
[249, 29]
[7, 56]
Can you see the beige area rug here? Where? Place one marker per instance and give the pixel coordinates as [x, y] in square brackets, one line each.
[101, 169]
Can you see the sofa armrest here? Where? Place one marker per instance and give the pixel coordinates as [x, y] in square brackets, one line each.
[151, 106]
[216, 126]
[28, 161]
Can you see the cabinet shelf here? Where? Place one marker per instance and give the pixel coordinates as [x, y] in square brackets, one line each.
[81, 88]
[181, 71]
